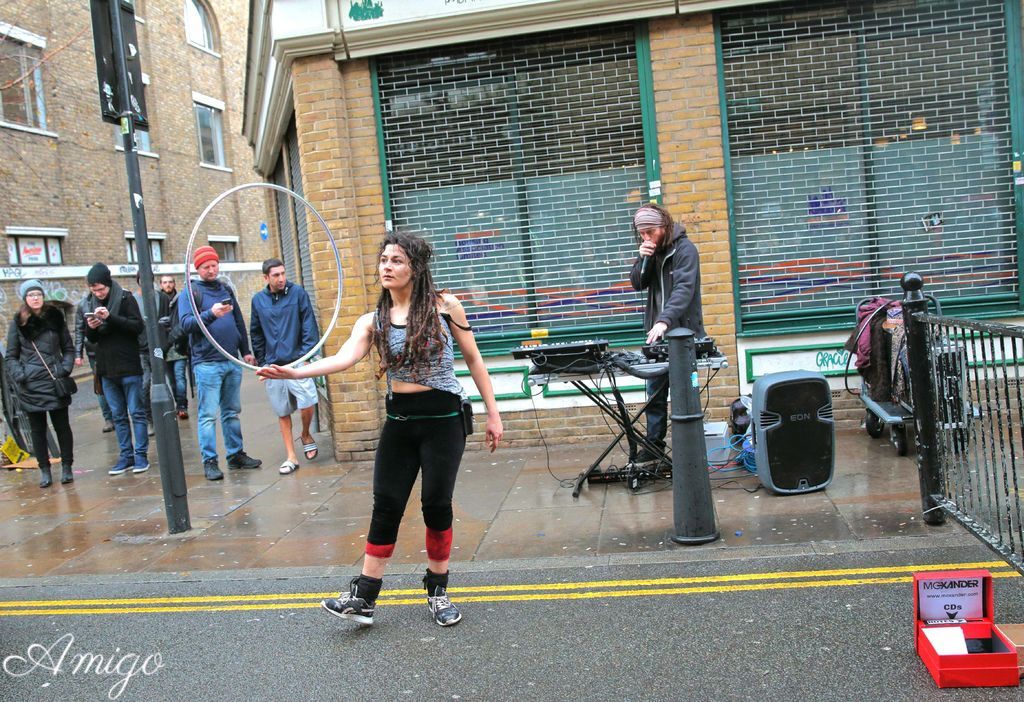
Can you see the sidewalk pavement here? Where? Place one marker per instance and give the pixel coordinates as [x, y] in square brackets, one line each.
[513, 504]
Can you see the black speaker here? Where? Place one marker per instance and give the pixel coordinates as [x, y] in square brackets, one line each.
[794, 433]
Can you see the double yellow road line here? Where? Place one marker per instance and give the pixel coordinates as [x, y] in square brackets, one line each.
[519, 592]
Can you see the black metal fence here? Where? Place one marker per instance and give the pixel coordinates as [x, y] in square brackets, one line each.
[966, 389]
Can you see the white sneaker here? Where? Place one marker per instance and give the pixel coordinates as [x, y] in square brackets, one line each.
[445, 613]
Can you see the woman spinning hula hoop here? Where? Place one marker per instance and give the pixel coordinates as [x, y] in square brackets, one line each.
[412, 330]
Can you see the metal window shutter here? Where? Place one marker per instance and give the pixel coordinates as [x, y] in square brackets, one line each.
[867, 139]
[284, 220]
[301, 231]
[521, 161]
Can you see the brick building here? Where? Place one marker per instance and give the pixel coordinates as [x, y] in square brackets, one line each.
[814, 150]
[63, 187]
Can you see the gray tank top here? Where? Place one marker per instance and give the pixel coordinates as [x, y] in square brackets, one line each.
[439, 374]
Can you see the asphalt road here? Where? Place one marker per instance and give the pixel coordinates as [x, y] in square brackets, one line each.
[764, 625]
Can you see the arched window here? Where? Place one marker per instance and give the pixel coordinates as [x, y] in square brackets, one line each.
[198, 27]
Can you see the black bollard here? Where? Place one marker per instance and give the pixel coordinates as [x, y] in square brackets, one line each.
[172, 470]
[693, 510]
[921, 375]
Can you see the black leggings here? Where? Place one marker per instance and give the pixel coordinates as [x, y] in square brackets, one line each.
[61, 426]
[406, 446]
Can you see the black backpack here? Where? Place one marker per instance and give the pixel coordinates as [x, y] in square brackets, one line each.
[178, 337]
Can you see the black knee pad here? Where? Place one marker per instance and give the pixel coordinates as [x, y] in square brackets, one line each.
[438, 517]
[387, 516]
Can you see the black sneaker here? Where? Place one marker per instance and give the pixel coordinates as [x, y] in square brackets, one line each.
[445, 613]
[350, 606]
[212, 471]
[645, 456]
[241, 460]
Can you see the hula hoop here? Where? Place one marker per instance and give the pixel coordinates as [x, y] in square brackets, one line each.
[188, 279]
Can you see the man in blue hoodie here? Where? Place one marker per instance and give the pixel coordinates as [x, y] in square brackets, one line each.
[283, 328]
[218, 380]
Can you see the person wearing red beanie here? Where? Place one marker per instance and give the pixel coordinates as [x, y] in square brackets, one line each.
[204, 254]
[218, 380]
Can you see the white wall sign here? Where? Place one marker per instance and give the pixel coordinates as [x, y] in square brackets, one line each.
[54, 246]
[32, 251]
[952, 598]
[827, 360]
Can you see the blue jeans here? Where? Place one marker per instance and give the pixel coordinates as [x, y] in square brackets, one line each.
[147, 384]
[657, 411]
[100, 398]
[105, 407]
[124, 395]
[177, 372]
[220, 392]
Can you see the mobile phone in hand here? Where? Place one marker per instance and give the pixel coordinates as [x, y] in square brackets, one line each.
[90, 314]
[226, 302]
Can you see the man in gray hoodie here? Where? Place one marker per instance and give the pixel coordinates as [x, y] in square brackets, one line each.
[668, 268]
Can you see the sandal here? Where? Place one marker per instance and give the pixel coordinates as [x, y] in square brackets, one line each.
[310, 450]
[288, 467]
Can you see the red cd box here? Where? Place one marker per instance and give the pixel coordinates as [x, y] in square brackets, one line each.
[954, 632]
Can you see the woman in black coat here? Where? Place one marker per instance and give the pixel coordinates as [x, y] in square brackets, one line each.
[40, 323]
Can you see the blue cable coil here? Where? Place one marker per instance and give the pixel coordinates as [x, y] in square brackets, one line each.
[740, 444]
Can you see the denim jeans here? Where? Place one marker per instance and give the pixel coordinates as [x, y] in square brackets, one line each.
[100, 398]
[124, 395]
[105, 408]
[220, 392]
[657, 411]
[147, 383]
[177, 372]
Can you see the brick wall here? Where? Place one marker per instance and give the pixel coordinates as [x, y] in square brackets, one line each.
[341, 179]
[693, 172]
[337, 141]
[77, 179]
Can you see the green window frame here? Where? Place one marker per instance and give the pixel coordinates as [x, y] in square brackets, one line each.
[864, 140]
[521, 161]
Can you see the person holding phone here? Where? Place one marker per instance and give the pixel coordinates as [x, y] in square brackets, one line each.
[412, 330]
[218, 380]
[114, 326]
[85, 349]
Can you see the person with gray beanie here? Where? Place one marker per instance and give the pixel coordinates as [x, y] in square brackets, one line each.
[40, 350]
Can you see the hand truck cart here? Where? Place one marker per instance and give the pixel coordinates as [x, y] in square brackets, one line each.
[891, 409]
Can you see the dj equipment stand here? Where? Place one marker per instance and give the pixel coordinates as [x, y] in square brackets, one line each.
[612, 365]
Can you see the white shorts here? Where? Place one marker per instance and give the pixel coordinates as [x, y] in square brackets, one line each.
[286, 396]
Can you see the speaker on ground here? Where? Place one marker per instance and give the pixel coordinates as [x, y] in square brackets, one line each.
[794, 432]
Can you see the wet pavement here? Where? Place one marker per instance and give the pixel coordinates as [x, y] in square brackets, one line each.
[514, 504]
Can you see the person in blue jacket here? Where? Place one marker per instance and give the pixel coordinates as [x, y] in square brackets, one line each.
[218, 380]
[283, 328]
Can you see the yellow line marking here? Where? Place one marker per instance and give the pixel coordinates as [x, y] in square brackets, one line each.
[514, 597]
[739, 577]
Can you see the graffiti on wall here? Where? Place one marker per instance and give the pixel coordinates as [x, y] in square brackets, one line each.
[56, 291]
